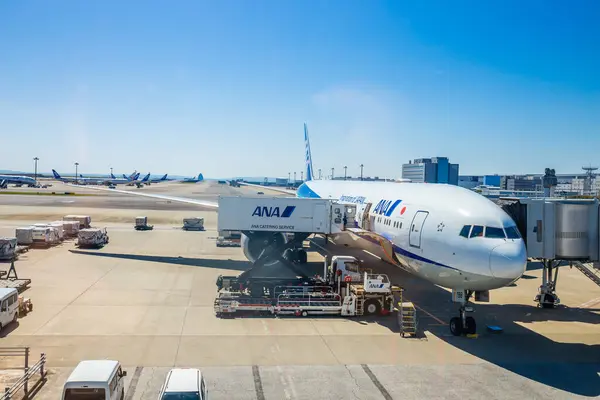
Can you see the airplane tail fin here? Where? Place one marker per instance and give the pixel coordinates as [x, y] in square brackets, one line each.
[309, 166]
[146, 177]
[56, 175]
[200, 177]
[164, 178]
[112, 176]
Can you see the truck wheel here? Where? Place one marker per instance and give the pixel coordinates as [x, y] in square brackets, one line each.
[302, 256]
[304, 314]
[372, 307]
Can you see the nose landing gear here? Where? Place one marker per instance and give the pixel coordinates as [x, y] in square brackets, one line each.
[463, 324]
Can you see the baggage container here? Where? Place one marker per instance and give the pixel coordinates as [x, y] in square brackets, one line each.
[59, 227]
[84, 220]
[24, 235]
[45, 235]
[92, 237]
[8, 247]
[70, 228]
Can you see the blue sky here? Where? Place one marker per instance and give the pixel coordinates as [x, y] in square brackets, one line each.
[224, 87]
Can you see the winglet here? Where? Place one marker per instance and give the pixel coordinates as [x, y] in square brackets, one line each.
[309, 167]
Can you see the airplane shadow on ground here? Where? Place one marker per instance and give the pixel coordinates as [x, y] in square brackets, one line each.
[228, 264]
[571, 367]
[275, 270]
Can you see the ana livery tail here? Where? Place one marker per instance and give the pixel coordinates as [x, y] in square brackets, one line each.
[309, 167]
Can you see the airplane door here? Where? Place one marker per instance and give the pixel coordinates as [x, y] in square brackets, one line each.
[365, 223]
[414, 238]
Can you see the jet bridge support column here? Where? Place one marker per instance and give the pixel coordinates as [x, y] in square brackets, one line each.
[547, 297]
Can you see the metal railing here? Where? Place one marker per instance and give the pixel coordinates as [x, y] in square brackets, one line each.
[29, 373]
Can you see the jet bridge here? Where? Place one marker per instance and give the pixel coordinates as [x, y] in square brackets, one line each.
[556, 232]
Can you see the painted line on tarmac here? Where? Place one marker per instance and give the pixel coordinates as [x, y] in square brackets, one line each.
[590, 304]
[386, 395]
[134, 382]
[319, 246]
[260, 395]
[431, 315]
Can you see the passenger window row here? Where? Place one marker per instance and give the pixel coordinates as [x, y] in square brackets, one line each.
[471, 231]
[389, 222]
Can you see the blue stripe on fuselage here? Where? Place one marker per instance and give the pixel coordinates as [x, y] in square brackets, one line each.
[407, 253]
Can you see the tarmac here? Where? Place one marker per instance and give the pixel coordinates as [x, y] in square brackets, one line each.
[146, 299]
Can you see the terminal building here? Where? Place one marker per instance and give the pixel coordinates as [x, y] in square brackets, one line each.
[431, 170]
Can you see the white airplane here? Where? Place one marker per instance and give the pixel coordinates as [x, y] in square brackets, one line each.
[445, 234]
[16, 179]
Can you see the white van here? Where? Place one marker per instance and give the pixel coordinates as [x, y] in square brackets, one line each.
[95, 380]
[9, 306]
[184, 384]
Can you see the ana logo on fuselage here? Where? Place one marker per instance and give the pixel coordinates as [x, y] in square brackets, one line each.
[386, 207]
[273, 212]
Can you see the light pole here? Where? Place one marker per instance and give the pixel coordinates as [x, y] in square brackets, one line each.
[294, 178]
[345, 170]
[289, 178]
[35, 159]
[301, 176]
[76, 176]
[111, 173]
[361, 171]
[331, 173]
[319, 173]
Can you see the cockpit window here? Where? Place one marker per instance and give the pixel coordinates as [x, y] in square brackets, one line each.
[464, 232]
[494, 233]
[512, 232]
[477, 231]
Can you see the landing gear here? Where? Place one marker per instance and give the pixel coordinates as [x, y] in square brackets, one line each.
[463, 324]
[547, 297]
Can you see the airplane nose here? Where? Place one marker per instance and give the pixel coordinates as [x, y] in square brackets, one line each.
[508, 260]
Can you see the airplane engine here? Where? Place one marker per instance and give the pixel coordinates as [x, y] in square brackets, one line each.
[254, 244]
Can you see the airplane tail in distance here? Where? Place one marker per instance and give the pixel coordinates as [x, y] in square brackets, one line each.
[309, 167]
[200, 177]
[112, 176]
[135, 175]
[56, 175]
[146, 177]
[164, 178]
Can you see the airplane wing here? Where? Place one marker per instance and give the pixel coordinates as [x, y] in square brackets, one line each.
[275, 189]
[203, 203]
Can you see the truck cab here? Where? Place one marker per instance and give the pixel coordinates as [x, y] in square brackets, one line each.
[348, 267]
